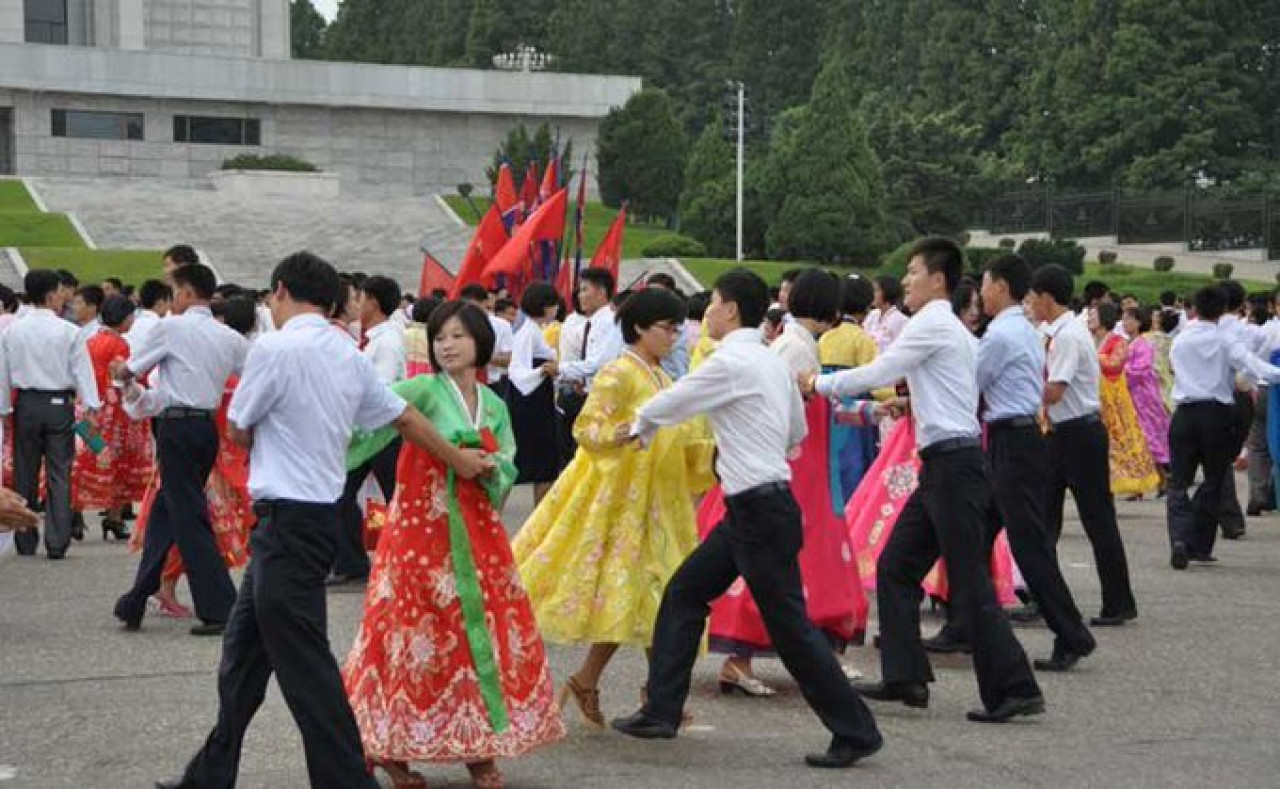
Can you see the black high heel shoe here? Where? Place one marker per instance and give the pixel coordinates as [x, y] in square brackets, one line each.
[77, 526]
[116, 529]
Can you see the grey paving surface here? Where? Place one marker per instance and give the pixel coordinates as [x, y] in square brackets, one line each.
[1186, 697]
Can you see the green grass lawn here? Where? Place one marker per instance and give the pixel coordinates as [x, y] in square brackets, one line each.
[14, 197]
[706, 270]
[92, 266]
[34, 229]
[595, 224]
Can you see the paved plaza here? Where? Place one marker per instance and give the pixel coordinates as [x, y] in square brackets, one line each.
[1185, 697]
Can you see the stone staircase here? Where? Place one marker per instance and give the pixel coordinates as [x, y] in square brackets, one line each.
[10, 273]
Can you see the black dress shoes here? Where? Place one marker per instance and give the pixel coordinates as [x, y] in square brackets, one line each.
[1026, 615]
[1113, 620]
[1010, 708]
[1179, 556]
[132, 623]
[944, 643]
[842, 753]
[912, 694]
[1233, 534]
[644, 727]
[208, 629]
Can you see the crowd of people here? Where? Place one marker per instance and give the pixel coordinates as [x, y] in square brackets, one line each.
[747, 463]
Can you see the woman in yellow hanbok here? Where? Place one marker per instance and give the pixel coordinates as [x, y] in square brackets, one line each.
[596, 554]
[1133, 471]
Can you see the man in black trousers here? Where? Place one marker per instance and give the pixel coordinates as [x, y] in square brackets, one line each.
[946, 516]
[1078, 443]
[194, 355]
[1011, 384]
[1204, 433]
[304, 388]
[757, 415]
[42, 357]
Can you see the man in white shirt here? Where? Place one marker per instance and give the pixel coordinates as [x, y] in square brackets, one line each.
[385, 349]
[155, 298]
[676, 363]
[1078, 442]
[87, 306]
[946, 515]
[194, 355]
[1230, 515]
[42, 358]
[601, 344]
[756, 414]
[496, 372]
[1206, 357]
[303, 389]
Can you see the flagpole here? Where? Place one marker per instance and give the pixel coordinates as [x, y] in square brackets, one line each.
[742, 102]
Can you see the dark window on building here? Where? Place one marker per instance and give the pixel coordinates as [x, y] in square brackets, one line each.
[97, 125]
[46, 21]
[217, 131]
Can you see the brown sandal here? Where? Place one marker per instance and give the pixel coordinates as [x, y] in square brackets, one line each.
[400, 774]
[586, 699]
[485, 775]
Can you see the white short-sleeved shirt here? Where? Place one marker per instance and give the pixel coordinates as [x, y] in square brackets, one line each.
[1072, 359]
[503, 339]
[303, 390]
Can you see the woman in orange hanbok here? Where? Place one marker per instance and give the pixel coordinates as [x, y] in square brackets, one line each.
[116, 474]
[1133, 472]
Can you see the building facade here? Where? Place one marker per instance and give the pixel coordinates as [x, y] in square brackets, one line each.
[172, 88]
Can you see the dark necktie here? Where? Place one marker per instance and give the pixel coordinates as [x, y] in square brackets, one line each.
[586, 335]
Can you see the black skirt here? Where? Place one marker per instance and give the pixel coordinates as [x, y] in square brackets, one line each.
[533, 420]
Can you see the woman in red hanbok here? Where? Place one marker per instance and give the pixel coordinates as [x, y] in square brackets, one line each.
[117, 474]
[448, 664]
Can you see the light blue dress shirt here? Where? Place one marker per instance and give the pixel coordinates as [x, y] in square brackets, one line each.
[1011, 366]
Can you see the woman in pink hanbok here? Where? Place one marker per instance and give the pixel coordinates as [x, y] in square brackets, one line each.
[1145, 388]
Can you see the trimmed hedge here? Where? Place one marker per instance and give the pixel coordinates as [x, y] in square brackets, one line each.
[1062, 251]
[273, 161]
[1223, 270]
[1164, 263]
[674, 245]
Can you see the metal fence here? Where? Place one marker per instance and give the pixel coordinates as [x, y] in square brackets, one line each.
[1203, 221]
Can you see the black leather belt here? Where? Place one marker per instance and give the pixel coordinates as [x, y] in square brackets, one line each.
[263, 507]
[1080, 421]
[48, 392]
[1013, 423]
[768, 488]
[1205, 404]
[949, 445]
[182, 412]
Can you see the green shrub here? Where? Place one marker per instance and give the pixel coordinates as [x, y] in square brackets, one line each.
[674, 245]
[895, 263]
[1106, 257]
[977, 258]
[273, 161]
[1164, 263]
[1008, 243]
[1222, 270]
[1062, 251]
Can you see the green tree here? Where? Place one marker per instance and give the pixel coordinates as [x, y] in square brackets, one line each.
[776, 47]
[482, 34]
[708, 205]
[520, 148]
[641, 151]
[306, 30]
[579, 36]
[833, 208]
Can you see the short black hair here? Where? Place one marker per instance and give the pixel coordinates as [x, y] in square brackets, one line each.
[962, 297]
[309, 279]
[93, 295]
[815, 295]
[941, 256]
[1053, 280]
[67, 279]
[1094, 290]
[645, 308]
[114, 282]
[1168, 298]
[502, 305]
[115, 311]
[697, 305]
[1143, 316]
[744, 288]
[537, 298]
[620, 298]
[890, 289]
[228, 290]
[423, 307]
[339, 306]
[384, 290]
[601, 278]
[475, 322]
[240, 313]
[199, 277]
[182, 254]
[474, 292]
[39, 283]
[856, 295]
[1014, 272]
[1211, 302]
[1169, 320]
[1234, 293]
[1108, 314]
[662, 280]
[792, 274]
[127, 289]
[8, 299]
[152, 292]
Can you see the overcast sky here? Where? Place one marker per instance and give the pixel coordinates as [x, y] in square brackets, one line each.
[327, 8]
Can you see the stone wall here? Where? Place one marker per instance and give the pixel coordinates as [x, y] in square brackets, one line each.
[395, 152]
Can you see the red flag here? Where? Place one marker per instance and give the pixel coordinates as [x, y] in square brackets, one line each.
[529, 190]
[609, 253]
[545, 224]
[490, 237]
[434, 275]
[504, 193]
[564, 284]
[550, 181]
